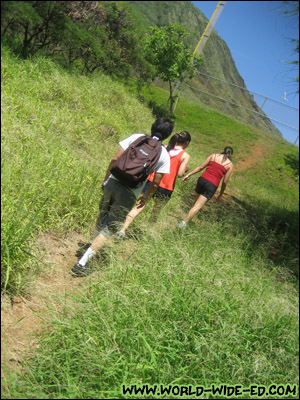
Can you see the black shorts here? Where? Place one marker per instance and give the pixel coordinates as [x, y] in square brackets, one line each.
[205, 188]
[160, 194]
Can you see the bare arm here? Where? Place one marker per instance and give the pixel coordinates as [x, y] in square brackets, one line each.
[152, 189]
[225, 180]
[183, 166]
[198, 169]
[112, 162]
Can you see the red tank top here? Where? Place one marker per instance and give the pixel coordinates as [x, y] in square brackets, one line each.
[214, 172]
[168, 180]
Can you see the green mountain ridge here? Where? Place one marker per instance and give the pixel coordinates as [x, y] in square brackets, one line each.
[218, 61]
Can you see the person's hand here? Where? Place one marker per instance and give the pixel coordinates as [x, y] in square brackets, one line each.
[185, 178]
[141, 202]
[220, 198]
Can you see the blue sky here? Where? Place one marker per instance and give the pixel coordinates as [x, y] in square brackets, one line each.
[258, 36]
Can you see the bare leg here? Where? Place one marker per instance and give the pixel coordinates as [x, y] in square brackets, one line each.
[130, 217]
[79, 268]
[98, 243]
[201, 200]
[95, 246]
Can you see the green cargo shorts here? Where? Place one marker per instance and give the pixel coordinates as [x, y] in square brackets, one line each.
[117, 201]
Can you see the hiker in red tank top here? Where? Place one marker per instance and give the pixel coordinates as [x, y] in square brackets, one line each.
[178, 165]
[215, 171]
[217, 166]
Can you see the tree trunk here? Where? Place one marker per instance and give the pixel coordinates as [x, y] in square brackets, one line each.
[171, 97]
[26, 42]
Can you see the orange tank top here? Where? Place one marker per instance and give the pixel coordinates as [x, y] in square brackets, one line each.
[168, 180]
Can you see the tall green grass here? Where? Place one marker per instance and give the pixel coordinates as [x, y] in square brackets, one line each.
[215, 304]
[58, 134]
[198, 308]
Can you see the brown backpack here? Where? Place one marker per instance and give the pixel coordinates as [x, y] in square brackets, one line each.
[137, 161]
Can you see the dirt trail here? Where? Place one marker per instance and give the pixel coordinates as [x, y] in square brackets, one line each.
[23, 318]
[257, 153]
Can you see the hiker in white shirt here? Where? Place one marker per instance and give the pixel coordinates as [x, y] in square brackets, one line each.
[118, 199]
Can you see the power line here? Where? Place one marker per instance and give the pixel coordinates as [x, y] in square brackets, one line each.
[230, 101]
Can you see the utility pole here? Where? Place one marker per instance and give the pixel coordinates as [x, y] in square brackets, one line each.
[209, 27]
[204, 37]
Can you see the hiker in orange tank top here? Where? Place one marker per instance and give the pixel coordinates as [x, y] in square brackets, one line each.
[179, 159]
[217, 166]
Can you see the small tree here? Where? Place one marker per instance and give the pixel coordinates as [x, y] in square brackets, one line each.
[166, 50]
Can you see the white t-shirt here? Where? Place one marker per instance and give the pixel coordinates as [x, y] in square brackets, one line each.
[162, 166]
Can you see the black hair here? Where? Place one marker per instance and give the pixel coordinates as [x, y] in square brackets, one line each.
[179, 138]
[228, 151]
[162, 128]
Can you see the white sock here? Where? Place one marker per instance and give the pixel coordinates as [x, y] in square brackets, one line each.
[87, 255]
[182, 224]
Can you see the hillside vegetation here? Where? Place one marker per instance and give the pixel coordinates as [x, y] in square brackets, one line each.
[110, 37]
[215, 304]
[217, 59]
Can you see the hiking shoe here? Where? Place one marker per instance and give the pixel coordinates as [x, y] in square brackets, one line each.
[120, 236]
[78, 270]
[182, 225]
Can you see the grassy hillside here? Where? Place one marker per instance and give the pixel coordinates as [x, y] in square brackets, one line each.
[58, 132]
[215, 304]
